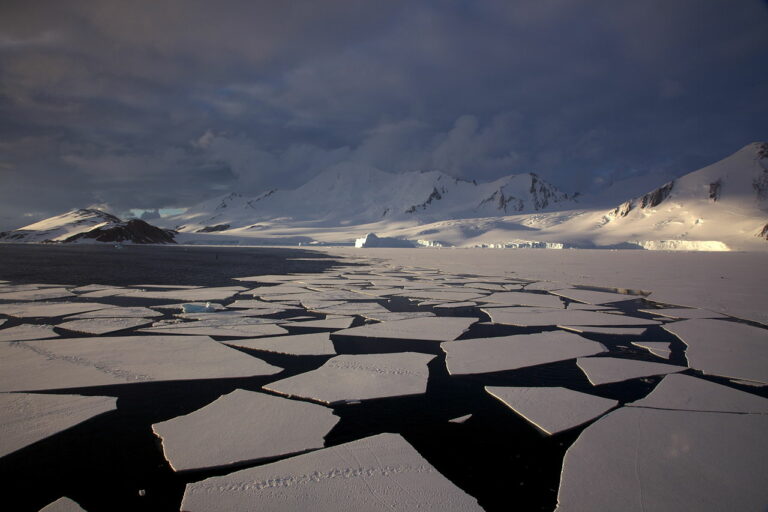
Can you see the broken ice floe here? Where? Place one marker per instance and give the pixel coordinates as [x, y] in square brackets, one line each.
[685, 393]
[379, 473]
[604, 370]
[617, 331]
[63, 504]
[49, 309]
[720, 347]
[460, 419]
[540, 317]
[683, 313]
[449, 306]
[259, 304]
[637, 459]
[239, 327]
[26, 418]
[552, 410]
[593, 297]
[657, 348]
[117, 312]
[545, 286]
[386, 316]
[486, 355]
[524, 299]
[328, 323]
[454, 296]
[315, 344]
[25, 332]
[37, 294]
[243, 426]
[191, 295]
[103, 325]
[428, 329]
[84, 362]
[359, 377]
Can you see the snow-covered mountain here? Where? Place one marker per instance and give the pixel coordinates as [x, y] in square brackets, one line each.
[88, 225]
[355, 195]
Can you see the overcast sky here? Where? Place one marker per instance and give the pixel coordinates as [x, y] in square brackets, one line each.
[163, 103]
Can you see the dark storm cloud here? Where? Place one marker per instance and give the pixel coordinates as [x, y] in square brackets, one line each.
[164, 103]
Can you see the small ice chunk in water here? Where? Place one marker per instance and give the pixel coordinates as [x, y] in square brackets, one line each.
[379, 473]
[359, 377]
[639, 459]
[552, 410]
[243, 426]
[26, 418]
[657, 348]
[460, 419]
[604, 370]
[427, 328]
[682, 392]
[486, 355]
[720, 347]
[63, 505]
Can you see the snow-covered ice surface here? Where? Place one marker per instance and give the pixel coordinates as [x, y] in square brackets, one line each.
[552, 410]
[724, 348]
[25, 332]
[382, 472]
[83, 362]
[63, 504]
[26, 418]
[640, 459]
[604, 370]
[427, 328]
[502, 353]
[243, 426]
[359, 377]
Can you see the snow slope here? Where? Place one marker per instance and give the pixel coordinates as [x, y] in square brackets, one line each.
[87, 225]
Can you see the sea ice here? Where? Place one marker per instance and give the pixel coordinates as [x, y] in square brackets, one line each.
[451, 295]
[37, 294]
[486, 355]
[460, 419]
[259, 304]
[49, 309]
[552, 410]
[618, 330]
[379, 473]
[63, 504]
[638, 459]
[535, 317]
[724, 348]
[83, 362]
[546, 286]
[604, 370]
[657, 348]
[428, 328]
[191, 295]
[386, 316]
[315, 344]
[328, 323]
[118, 312]
[240, 327]
[27, 332]
[593, 297]
[683, 313]
[243, 426]
[685, 393]
[99, 326]
[26, 418]
[359, 377]
[524, 299]
[455, 305]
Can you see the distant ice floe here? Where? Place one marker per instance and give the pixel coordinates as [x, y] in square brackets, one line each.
[36, 294]
[25, 332]
[617, 330]
[328, 323]
[541, 317]
[594, 297]
[450, 295]
[552, 410]
[359, 377]
[315, 344]
[242, 327]
[729, 349]
[26, 418]
[118, 312]
[49, 309]
[243, 426]
[379, 473]
[371, 240]
[103, 325]
[190, 295]
[100, 361]
[486, 355]
[63, 504]
[428, 329]
[386, 316]
[524, 299]
[604, 370]
[683, 313]
[640, 459]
